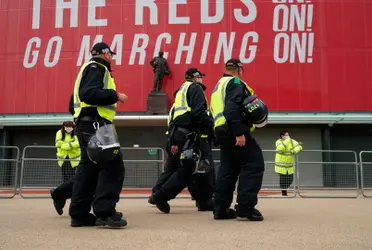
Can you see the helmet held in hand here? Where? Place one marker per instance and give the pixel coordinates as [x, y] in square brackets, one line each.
[256, 110]
[104, 144]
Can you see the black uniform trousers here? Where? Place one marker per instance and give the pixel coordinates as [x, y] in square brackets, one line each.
[64, 191]
[245, 163]
[99, 184]
[202, 185]
[183, 176]
[67, 170]
[198, 182]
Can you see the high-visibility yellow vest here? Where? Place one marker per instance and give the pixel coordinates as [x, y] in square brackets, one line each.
[107, 112]
[218, 100]
[285, 149]
[180, 103]
[73, 152]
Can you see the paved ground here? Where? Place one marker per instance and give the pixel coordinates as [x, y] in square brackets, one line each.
[289, 224]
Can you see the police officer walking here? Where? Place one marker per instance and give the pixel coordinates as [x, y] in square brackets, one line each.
[240, 154]
[95, 101]
[189, 123]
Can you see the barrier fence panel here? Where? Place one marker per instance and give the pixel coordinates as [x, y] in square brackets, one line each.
[366, 173]
[9, 159]
[328, 174]
[40, 171]
[143, 166]
[271, 187]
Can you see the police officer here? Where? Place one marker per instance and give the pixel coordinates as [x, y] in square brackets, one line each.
[240, 154]
[95, 101]
[169, 169]
[190, 115]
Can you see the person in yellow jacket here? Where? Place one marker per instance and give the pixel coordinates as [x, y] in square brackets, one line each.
[286, 147]
[68, 150]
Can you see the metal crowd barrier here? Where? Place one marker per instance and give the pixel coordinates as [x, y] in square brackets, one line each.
[9, 172]
[366, 173]
[319, 178]
[40, 171]
[141, 174]
[316, 175]
[271, 180]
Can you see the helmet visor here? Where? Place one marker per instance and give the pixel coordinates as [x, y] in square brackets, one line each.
[107, 136]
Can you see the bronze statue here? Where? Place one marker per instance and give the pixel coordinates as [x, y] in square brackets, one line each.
[160, 68]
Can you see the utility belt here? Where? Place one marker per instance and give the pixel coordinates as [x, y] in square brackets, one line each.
[92, 119]
[185, 131]
[225, 136]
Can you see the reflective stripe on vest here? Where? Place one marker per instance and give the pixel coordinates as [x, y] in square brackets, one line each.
[218, 100]
[108, 112]
[181, 106]
[180, 103]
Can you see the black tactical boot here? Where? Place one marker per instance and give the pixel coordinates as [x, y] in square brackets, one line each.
[88, 221]
[58, 203]
[250, 214]
[115, 220]
[205, 205]
[224, 214]
[162, 205]
[150, 201]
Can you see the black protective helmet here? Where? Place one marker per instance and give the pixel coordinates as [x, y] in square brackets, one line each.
[256, 110]
[202, 166]
[104, 145]
[189, 157]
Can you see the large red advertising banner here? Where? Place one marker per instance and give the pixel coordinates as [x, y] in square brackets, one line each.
[299, 55]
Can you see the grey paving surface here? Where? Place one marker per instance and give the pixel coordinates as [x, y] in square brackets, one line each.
[289, 224]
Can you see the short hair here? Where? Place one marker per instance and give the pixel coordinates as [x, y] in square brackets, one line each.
[282, 133]
[232, 69]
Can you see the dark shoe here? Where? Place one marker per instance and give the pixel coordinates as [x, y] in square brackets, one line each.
[284, 193]
[58, 204]
[89, 221]
[114, 221]
[204, 206]
[151, 201]
[119, 214]
[226, 214]
[252, 214]
[162, 205]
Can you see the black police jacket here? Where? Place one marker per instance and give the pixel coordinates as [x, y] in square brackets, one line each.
[197, 119]
[91, 88]
[237, 124]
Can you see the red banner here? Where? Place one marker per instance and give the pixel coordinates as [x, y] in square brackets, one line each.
[298, 55]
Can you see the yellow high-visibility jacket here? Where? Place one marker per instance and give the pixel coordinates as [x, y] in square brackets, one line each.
[285, 149]
[68, 147]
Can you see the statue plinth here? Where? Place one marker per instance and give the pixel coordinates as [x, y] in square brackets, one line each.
[157, 103]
